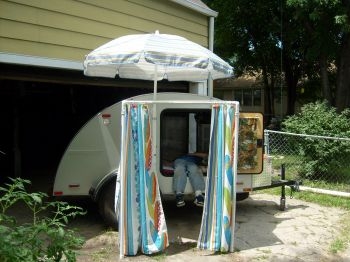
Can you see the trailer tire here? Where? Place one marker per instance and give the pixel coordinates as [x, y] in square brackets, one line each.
[106, 205]
[241, 196]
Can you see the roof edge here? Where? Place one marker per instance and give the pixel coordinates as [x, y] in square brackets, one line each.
[20, 59]
[196, 7]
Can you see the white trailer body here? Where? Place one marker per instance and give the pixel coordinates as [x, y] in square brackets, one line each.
[90, 163]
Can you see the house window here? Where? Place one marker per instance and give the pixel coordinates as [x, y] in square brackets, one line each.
[248, 97]
[257, 97]
[238, 96]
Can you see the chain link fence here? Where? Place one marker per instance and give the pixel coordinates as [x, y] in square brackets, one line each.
[317, 161]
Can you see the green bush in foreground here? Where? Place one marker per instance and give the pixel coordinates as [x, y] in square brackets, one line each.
[45, 238]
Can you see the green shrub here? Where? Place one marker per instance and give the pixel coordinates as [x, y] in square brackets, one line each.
[45, 238]
[321, 157]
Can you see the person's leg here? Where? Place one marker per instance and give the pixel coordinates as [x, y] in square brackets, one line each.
[196, 177]
[197, 181]
[180, 176]
[179, 181]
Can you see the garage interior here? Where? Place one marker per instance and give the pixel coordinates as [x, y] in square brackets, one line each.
[41, 109]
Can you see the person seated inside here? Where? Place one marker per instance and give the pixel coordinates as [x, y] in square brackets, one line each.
[189, 165]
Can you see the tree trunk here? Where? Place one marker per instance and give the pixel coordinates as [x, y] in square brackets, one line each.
[326, 90]
[343, 76]
[267, 97]
[272, 95]
[291, 78]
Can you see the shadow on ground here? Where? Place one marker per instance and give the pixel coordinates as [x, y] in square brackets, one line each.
[261, 215]
[303, 232]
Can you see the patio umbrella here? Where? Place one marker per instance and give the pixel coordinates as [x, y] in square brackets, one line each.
[155, 57]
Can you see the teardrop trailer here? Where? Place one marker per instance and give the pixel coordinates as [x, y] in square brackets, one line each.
[89, 166]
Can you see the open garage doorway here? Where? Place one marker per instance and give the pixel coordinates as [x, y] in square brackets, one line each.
[42, 109]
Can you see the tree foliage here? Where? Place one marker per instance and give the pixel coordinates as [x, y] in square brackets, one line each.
[326, 25]
[248, 35]
[293, 40]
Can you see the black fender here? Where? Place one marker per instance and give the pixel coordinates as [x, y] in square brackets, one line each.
[95, 192]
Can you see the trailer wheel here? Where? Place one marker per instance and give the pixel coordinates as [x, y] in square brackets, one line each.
[106, 205]
[241, 196]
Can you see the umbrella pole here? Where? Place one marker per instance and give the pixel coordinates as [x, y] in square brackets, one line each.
[154, 120]
[155, 82]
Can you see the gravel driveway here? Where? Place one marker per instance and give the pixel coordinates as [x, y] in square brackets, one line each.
[303, 232]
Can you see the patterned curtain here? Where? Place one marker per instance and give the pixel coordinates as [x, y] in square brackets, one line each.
[218, 220]
[142, 224]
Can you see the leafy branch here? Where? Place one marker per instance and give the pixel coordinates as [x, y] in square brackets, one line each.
[46, 238]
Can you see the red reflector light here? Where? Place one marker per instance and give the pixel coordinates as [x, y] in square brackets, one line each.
[58, 193]
[106, 115]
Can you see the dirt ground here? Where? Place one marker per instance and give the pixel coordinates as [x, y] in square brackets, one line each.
[303, 232]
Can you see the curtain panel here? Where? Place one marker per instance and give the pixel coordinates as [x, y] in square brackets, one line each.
[142, 224]
[218, 220]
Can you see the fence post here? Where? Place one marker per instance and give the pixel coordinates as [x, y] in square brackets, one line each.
[266, 142]
[283, 188]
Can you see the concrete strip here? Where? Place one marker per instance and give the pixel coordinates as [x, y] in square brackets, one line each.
[324, 191]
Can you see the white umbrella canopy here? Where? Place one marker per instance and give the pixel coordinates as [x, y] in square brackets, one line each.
[155, 57]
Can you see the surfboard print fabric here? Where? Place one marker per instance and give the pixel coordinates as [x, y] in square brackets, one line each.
[218, 219]
[142, 225]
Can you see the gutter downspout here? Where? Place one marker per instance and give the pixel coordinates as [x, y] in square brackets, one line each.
[211, 48]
